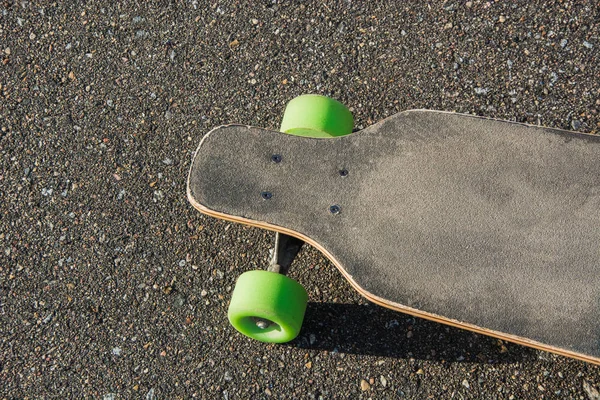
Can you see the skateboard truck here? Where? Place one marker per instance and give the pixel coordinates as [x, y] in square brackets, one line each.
[285, 251]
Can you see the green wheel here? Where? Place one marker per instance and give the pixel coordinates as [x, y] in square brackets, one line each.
[316, 116]
[267, 306]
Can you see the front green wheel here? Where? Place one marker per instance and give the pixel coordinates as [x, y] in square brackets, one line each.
[316, 116]
[267, 306]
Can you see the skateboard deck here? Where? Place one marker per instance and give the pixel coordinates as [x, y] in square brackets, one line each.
[482, 224]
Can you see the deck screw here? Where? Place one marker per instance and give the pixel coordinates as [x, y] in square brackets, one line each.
[334, 209]
[266, 195]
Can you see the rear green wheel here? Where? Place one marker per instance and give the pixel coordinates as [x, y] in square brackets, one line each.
[267, 306]
[316, 116]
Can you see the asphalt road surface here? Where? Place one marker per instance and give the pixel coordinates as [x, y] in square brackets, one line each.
[113, 287]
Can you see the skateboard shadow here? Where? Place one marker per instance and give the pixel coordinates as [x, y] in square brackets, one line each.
[368, 329]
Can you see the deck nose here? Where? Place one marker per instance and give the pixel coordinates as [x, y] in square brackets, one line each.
[271, 176]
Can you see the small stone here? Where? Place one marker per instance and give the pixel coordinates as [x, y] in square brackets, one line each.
[150, 394]
[72, 75]
[383, 381]
[203, 293]
[465, 383]
[254, 21]
[420, 372]
[448, 25]
[575, 124]
[167, 161]
[392, 324]
[109, 396]
[502, 18]
[563, 43]
[179, 301]
[469, 4]
[7, 51]
[403, 32]
[587, 44]
[591, 391]
[409, 334]
[32, 36]
[116, 351]
[268, 392]
[364, 385]
[228, 376]
[308, 365]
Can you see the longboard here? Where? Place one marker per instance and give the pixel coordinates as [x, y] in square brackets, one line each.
[486, 225]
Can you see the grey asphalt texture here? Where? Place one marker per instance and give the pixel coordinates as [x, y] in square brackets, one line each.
[113, 287]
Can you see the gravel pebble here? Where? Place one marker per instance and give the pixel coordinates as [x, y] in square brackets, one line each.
[383, 381]
[591, 391]
[364, 385]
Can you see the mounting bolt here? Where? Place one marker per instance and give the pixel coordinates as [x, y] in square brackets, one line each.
[343, 172]
[266, 195]
[276, 158]
[334, 209]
